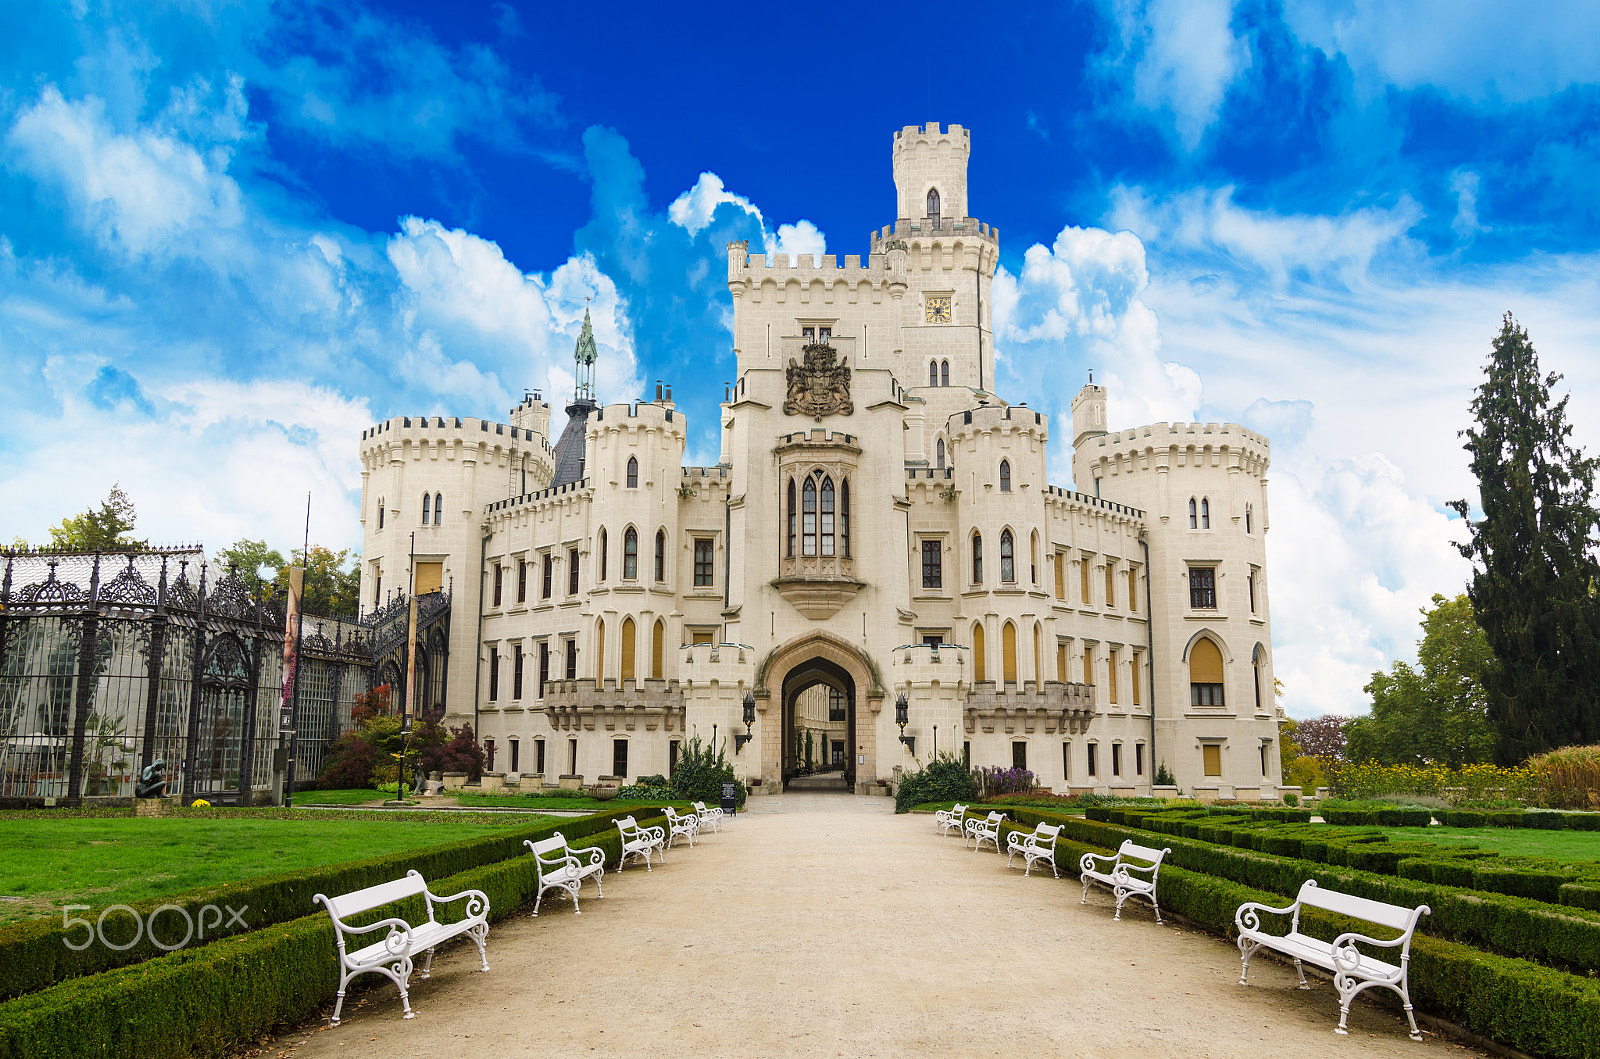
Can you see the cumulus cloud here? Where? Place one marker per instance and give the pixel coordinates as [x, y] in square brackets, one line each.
[694, 209]
[1181, 56]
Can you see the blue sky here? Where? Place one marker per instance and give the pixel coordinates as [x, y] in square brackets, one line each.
[233, 235]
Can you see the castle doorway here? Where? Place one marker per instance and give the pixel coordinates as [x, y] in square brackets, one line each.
[819, 727]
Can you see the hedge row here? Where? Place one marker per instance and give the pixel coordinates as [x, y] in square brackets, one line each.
[1539, 878]
[204, 1001]
[34, 954]
[1511, 926]
[1536, 1009]
[1546, 820]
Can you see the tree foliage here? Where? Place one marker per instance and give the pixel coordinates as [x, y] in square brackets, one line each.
[1437, 712]
[105, 530]
[1534, 556]
[944, 779]
[332, 582]
[1323, 738]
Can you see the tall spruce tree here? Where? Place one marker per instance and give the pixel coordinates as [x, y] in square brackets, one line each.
[1534, 557]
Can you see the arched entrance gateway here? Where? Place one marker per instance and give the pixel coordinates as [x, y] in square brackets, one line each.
[823, 686]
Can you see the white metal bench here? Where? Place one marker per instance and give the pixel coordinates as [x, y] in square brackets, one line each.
[391, 956]
[1353, 970]
[639, 841]
[1039, 845]
[561, 867]
[709, 818]
[1130, 872]
[686, 826]
[946, 820]
[985, 830]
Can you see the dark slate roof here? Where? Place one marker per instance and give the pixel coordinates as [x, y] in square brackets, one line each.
[569, 450]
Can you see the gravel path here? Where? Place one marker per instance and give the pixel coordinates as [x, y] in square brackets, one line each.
[825, 925]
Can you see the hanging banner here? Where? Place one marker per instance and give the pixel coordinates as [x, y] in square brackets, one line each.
[291, 647]
[411, 661]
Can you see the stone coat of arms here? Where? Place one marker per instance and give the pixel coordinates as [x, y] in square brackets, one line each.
[821, 387]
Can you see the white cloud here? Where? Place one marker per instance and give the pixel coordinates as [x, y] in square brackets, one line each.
[139, 193]
[1481, 49]
[694, 209]
[1184, 57]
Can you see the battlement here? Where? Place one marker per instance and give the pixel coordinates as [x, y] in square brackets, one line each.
[554, 492]
[818, 436]
[1069, 496]
[1019, 418]
[449, 428]
[1124, 449]
[803, 263]
[912, 136]
[926, 227]
[930, 170]
[719, 471]
[533, 400]
[644, 414]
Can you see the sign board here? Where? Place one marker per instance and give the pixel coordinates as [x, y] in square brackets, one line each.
[730, 797]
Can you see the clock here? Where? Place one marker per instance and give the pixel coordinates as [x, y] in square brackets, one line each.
[938, 308]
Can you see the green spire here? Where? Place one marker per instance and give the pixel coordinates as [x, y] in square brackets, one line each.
[584, 355]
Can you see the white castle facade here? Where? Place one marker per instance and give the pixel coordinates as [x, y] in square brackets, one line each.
[878, 524]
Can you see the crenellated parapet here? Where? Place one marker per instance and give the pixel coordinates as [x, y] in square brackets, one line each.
[1171, 446]
[614, 705]
[466, 439]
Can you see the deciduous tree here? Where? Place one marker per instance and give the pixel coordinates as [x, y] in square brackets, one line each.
[1534, 556]
[105, 530]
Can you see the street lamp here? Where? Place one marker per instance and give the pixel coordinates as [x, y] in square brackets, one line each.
[741, 738]
[902, 714]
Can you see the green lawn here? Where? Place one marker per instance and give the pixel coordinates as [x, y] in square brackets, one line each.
[49, 861]
[1565, 846]
[350, 797]
[535, 801]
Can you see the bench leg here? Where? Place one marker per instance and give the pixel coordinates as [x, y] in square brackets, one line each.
[572, 891]
[479, 934]
[1247, 949]
[1301, 971]
[599, 891]
[427, 965]
[1085, 891]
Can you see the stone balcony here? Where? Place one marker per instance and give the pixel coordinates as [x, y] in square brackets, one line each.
[614, 705]
[817, 585]
[1026, 708]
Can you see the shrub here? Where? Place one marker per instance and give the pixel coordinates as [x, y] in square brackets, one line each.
[944, 779]
[455, 751]
[1569, 778]
[702, 772]
[647, 792]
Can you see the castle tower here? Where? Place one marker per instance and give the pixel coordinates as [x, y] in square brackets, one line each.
[930, 171]
[569, 454]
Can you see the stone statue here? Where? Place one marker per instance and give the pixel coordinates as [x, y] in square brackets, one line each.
[152, 780]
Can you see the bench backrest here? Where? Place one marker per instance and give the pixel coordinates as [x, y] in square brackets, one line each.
[992, 821]
[545, 846]
[347, 905]
[628, 826]
[1050, 831]
[958, 810]
[1394, 917]
[1133, 850]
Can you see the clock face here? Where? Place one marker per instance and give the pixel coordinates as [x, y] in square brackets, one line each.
[938, 309]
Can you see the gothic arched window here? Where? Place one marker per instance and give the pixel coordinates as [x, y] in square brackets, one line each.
[1205, 512]
[602, 553]
[380, 512]
[977, 558]
[661, 555]
[944, 373]
[438, 508]
[939, 453]
[1193, 521]
[427, 502]
[630, 554]
[790, 550]
[633, 473]
[844, 517]
[1008, 557]
[933, 206]
[933, 373]
[808, 517]
[1005, 476]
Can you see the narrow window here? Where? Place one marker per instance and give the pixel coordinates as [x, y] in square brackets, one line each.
[1084, 562]
[827, 516]
[377, 591]
[1088, 663]
[933, 206]
[1248, 511]
[516, 672]
[1138, 759]
[1019, 754]
[619, 757]
[1061, 580]
[944, 373]
[978, 661]
[672, 757]
[1193, 521]
[438, 508]
[1203, 588]
[1264, 758]
[538, 756]
[522, 581]
[1211, 756]
[1033, 558]
[629, 647]
[602, 556]
[1008, 568]
[938, 451]
[600, 650]
[977, 559]
[494, 673]
[380, 512]
[933, 373]
[704, 549]
[844, 518]
[661, 555]
[1257, 659]
[572, 757]
[658, 649]
[932, 564]
[1061, 662]
[544, 667]
[498, 571]
[1205, 512]
[809, 335]
[1005, 476]
[546, 583]
[1251, 582]
[1008, 653]
[1111, 584]
[790, 550]
[1094, 766]
[1116, 759]
[808, 517]
[633, 473]
[572, 659]
[835, 704]
[1111, 677]
[630, 555]
[1133, 678]
[1133, 590]
[516, 747]
[427, 507]
[1205, 675]
[572, 571]
[1066, 760]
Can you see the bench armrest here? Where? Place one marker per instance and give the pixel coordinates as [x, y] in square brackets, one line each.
[477, 906]
[1247, 916]
[1086, 862]
[656, 832]
[595, 855]
[398, 928]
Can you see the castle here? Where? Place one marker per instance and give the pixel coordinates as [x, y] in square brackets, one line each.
[877, 528]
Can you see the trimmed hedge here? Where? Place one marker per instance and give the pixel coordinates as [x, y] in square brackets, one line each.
[1513, 926]
[34, 954]
[1537, 1009]
[203, 1001]
[1546, 819]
